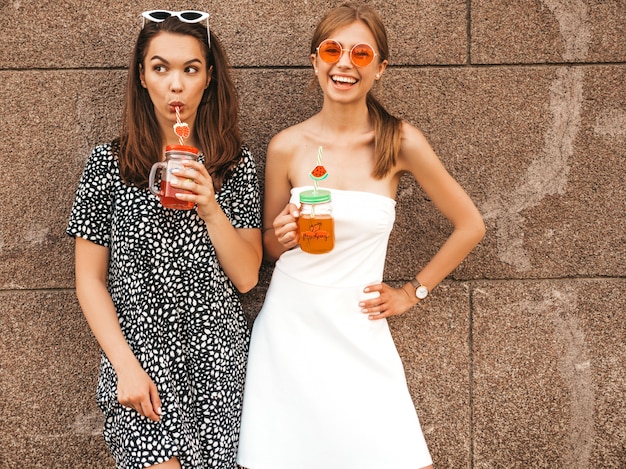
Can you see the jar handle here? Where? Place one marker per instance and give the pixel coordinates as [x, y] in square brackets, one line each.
[151, 178]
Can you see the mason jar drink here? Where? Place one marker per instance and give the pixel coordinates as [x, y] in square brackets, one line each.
[164, 170]
[316, 226]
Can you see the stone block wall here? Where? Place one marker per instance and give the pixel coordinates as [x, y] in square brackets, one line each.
[516, 360]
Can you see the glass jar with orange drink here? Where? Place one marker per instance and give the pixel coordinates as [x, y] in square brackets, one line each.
[316, 226]
[175, 155]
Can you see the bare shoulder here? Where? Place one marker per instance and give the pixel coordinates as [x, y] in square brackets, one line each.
[412, 137]
[415, 148]
[287, 141]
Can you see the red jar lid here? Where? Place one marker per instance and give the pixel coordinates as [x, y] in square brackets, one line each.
[187, 148]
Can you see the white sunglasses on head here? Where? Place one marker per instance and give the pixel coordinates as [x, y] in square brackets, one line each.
[187, 16]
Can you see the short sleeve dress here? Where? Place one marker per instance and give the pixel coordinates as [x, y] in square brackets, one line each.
[179, 312]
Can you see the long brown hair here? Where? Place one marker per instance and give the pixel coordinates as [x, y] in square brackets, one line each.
[387, 128]
[217, 121]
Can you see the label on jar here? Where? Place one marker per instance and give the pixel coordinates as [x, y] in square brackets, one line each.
[317, 234]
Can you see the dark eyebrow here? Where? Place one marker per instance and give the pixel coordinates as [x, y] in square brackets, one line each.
[189, 62]
[156, 57]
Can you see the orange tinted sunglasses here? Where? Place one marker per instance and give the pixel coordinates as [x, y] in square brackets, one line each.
[361, 55]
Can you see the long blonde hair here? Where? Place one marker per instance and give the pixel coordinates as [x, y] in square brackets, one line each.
[387, 128]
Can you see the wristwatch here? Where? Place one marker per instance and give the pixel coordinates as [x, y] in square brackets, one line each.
[421, 291]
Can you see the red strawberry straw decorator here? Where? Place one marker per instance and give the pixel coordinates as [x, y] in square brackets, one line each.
[181, 128]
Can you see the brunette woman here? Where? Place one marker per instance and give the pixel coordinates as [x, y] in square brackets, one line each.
[158, 286]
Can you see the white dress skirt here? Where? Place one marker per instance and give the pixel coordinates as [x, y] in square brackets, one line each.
[325, 386]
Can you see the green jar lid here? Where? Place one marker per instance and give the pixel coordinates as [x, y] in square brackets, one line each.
[313, 197]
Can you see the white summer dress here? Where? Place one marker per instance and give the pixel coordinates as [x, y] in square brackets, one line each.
[325, 386]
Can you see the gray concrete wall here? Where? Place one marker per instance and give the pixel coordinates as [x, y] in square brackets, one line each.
[517, 360]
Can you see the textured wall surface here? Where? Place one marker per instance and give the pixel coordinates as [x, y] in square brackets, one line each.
[516, 360]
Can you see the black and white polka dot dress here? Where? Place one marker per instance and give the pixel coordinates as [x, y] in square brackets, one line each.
[178, 310]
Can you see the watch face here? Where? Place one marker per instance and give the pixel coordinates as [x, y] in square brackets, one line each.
[421, 292]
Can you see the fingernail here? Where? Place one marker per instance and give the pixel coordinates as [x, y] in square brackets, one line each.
[159, 411]
[361, 304]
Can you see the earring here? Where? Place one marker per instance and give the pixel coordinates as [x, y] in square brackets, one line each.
[378, 76]
[316, 71]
